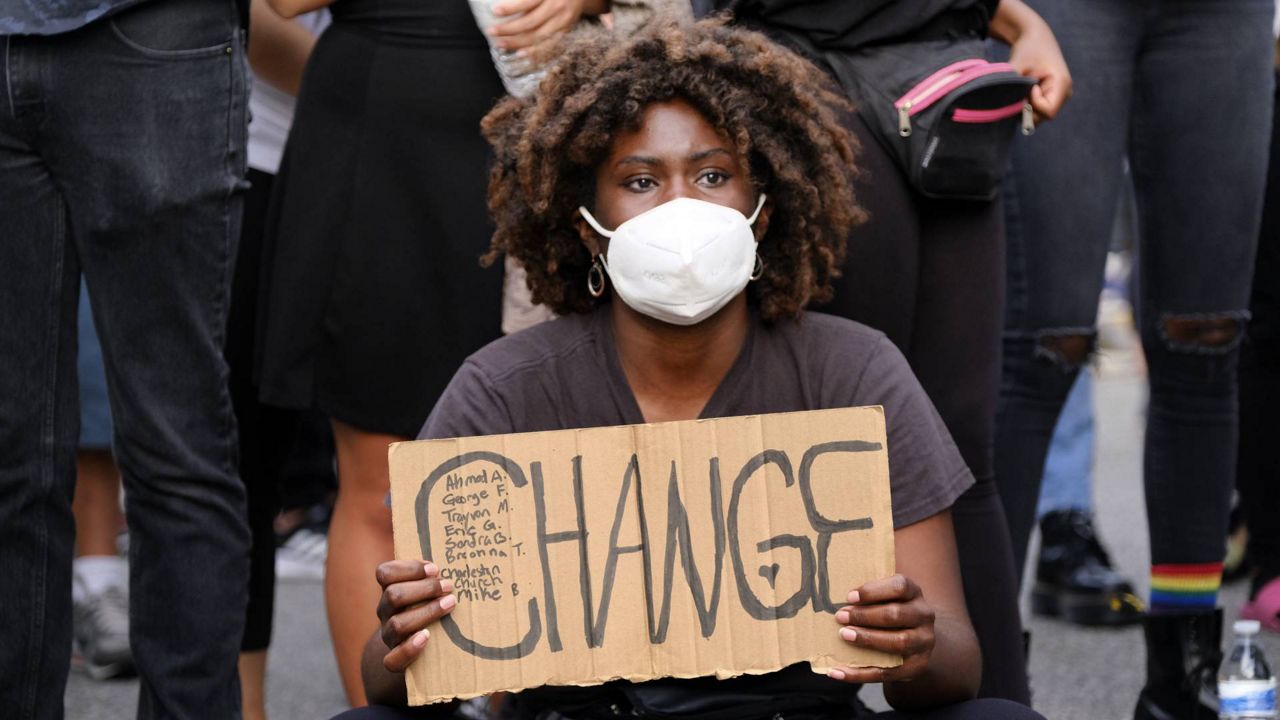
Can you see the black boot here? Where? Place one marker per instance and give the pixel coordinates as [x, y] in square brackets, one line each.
[1074, 579]
[1183, 654]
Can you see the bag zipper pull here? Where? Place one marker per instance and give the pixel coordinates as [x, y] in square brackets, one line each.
[1028, 119]
[904, 120]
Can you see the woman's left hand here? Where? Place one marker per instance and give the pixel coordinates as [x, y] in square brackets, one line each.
[891, 615]
[542, 20]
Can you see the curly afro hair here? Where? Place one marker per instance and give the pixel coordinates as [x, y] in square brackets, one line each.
[778, 110]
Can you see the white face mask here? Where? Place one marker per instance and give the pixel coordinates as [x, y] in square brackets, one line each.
[681, 261]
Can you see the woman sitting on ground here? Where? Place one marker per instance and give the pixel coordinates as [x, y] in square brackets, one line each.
[681, 128]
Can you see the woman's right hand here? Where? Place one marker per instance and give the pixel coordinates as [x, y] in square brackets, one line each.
[1035, 53]
[413, 597]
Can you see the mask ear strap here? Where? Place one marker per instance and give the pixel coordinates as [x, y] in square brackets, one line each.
[592, 222]
[759, 204]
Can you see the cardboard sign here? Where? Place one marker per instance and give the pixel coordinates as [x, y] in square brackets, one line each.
[684, 549]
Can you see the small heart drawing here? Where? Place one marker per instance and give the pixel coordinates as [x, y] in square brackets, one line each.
[770, 573]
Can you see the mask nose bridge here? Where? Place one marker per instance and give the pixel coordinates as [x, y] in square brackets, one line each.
[685, 253]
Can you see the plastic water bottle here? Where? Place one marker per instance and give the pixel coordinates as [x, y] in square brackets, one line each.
[1246, 687]
[520, 75]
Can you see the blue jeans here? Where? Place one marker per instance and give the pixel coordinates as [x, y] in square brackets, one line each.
[122, 155]
[1068, 469]
[95, 407]
[1183, 89]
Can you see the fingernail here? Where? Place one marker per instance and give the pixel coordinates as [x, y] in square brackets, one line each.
[420, 638]
[430, 569]
[448, 601]
[835, 674]
[854, 596]
[842, 617]
[848, 633]
[446, 586]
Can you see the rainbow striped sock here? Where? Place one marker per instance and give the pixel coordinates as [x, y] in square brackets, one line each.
[1183, 587]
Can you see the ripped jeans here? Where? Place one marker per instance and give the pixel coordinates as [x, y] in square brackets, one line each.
[1183, 89]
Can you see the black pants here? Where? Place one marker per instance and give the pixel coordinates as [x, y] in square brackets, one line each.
[930, 275]
[280, 449]
[1258, 478]
[264, 431]
[121, 151]
[1137, 69]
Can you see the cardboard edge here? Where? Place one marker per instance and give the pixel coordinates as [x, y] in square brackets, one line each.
[719, 674]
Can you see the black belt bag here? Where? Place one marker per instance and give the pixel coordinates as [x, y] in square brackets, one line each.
[946, 114]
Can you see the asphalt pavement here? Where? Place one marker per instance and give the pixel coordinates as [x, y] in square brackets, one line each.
[1089, 674]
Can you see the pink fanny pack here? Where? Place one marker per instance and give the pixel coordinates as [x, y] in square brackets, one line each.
[948, 115]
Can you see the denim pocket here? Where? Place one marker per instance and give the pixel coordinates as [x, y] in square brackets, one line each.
[177, 29]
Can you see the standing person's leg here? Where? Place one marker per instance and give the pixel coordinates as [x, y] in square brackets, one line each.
[1074, 579]
[39, 284]
[890, 286]
[1199, 192]
[97, 504]
[1259, 466]
[150, 108]
[1068, 467]
[97, 498]
[1067, 183]
[955, 351]
[359, 539]
[880, 274]
[1199, 234]
[100, 577]
[266, 434]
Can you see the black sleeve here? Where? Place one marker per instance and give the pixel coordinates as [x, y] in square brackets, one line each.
[850, 25]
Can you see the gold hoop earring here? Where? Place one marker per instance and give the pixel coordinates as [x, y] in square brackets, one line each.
[757, 272]
[595, 278]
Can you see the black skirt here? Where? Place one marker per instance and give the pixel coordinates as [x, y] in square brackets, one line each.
[373, 293]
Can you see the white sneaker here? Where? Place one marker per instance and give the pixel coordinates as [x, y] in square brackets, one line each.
[301, 557]
[101, 631]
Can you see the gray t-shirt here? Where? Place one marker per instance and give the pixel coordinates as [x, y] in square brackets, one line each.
[565, 374]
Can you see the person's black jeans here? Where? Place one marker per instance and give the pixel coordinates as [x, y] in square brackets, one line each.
[1183, 89]
[122, 155]
[930, 275]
